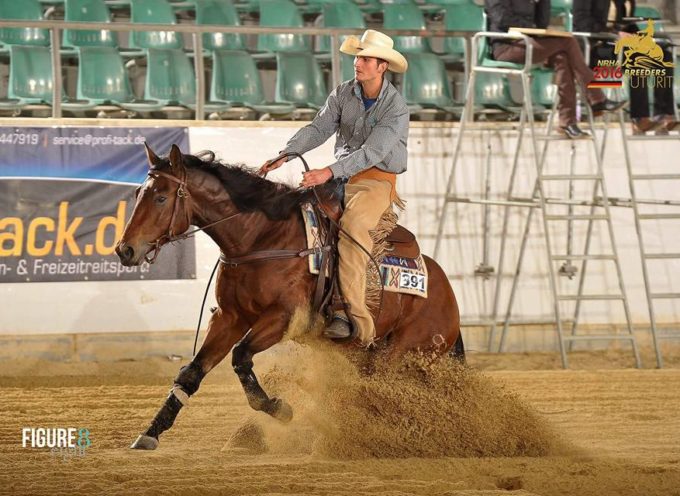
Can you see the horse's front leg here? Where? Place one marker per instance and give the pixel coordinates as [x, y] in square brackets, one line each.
[266, 332]
[223, 331]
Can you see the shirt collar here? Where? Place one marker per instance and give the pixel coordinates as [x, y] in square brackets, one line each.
[383, 89]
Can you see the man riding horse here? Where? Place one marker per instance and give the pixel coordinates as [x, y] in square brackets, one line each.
[371, 120]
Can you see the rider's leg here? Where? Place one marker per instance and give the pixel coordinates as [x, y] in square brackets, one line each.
[365, 202]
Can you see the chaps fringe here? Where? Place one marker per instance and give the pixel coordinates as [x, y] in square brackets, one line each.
[387, 223]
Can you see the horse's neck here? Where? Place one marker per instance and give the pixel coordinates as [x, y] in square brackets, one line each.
[249, 232]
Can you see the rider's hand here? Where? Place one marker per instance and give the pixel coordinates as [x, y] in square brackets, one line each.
[624, 34]
[316, 176]
[270, 165]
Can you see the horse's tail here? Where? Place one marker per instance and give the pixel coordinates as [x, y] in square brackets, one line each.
[458, 350]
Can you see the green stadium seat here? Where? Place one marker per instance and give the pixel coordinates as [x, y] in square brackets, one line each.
[23, 10]
[103, 80]
[222, 13]
[563, 8]
[426, 84]
[87, 11]
[465, 16]
[340, 15]
[299, 80]
[543, 90]
[406, 16]
[370, 6]
[154, 12]
[237, 83]
[170, 78]
[451, 2]
[281, 13]
[30, 77]
[346, 67]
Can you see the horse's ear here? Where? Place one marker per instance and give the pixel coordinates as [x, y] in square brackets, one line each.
[153, 159]
[176, 161]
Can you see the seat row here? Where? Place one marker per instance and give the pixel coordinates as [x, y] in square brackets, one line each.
[463, 16]
[235, 82]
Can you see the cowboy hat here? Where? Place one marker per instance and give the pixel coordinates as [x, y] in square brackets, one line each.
[375, 44]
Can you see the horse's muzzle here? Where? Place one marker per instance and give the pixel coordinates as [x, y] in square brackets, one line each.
[126, 253]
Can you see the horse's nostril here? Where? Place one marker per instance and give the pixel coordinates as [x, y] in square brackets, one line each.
[128, 253]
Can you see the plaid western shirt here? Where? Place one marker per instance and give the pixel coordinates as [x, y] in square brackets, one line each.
[364, 138]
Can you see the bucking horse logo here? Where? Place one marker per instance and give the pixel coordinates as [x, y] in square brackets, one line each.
[641, 50]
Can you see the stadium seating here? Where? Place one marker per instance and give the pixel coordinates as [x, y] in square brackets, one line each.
[88, 11]
[103, 80]
[154, 12]
[237, 83]
[223, 13]
[281, 13]
[30, 77]
[406, 16]
[426, 85]
[299, 80]
[22, 10]
[170, 78]
[340, 15]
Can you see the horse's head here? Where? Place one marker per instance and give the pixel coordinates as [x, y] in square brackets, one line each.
[161, 212]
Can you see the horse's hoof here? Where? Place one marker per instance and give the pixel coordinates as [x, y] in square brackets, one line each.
[281, 410]
[144, 442]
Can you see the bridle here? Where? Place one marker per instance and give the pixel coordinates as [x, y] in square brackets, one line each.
[184, 198]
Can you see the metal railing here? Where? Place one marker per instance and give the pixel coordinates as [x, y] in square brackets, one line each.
[196, 31]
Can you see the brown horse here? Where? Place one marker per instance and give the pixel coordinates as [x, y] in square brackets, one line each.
[244, 213]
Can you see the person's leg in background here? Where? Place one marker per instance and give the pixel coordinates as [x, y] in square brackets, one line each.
[565, 56]
[664, 102]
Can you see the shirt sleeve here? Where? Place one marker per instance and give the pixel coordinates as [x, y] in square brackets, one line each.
[324, 125]
[383, 138]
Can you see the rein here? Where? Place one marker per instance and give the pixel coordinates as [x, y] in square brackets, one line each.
[184, 197]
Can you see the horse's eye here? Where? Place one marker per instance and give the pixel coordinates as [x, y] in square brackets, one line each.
[160, 200]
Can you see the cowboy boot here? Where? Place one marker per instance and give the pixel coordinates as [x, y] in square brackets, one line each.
[339, 328]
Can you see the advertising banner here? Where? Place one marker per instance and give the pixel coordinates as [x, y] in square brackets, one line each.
[65, 195]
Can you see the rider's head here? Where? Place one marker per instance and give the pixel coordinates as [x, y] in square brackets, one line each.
[373, 55]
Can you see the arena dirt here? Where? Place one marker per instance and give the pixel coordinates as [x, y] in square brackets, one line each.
[416, 428]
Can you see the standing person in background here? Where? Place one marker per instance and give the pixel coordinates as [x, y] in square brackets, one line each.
[562, 54]
[663, 119]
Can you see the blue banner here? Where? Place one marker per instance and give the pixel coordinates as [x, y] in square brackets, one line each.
[65, 195]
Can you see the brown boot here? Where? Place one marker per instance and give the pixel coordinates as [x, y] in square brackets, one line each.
[666, 123]
[338, 329]
[642, 125]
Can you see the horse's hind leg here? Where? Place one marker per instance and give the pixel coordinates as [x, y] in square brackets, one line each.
[266, 332]
[223, 332]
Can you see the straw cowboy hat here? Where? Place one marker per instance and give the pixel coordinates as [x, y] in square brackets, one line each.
[375, 44]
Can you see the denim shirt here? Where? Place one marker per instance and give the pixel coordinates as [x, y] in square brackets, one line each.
[363, 138]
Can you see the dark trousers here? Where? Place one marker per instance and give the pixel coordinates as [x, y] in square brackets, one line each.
[565, 57]
[663, 96]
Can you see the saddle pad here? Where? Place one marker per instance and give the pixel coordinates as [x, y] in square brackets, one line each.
[404, 275]
[398, 274]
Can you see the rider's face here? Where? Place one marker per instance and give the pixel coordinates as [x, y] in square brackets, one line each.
[368, 68]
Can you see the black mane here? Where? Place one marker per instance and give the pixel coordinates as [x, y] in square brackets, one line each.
[247, 190]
